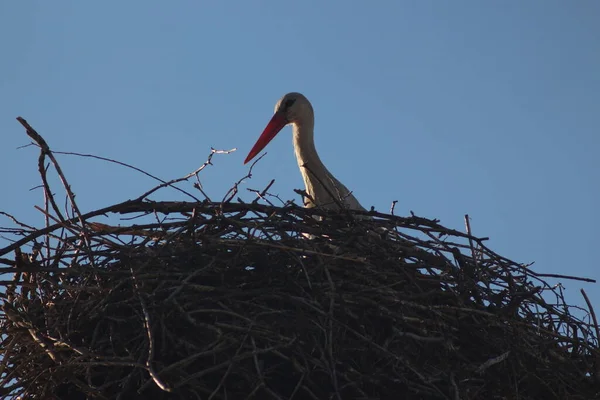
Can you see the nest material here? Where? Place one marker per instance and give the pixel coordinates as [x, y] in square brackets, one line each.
[249, 301]
[234, 302]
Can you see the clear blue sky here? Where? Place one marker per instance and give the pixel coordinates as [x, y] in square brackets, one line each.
[490, 108]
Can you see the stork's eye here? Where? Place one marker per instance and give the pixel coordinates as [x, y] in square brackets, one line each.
[288, 103]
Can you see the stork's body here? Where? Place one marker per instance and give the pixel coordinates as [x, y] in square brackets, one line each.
[326, 191]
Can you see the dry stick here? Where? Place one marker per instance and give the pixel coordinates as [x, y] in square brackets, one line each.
[261, 195]
[198, 184]
[7, 349]
[15, 317]
[498, 257]
[468, 227]
[48, 217]
[188, 176]
[596, 328]
[454, 386]
[45, 150]
[48, 197]
[393, 207]
[591, 309]
[234, 189]
[570, 277]
[150, 358]
[264, 193]
[47, 224]
[492, 361]
[304, 195]
[70, 153]
[17, 222]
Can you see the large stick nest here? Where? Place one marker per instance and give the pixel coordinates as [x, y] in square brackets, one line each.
[223, 300]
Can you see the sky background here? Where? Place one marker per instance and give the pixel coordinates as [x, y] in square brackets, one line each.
[490, 108]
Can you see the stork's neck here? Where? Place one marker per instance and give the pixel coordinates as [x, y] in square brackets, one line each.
[322, 187]
[304, 147]
[309, 162]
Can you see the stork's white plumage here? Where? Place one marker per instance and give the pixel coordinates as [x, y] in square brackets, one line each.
[321, 185]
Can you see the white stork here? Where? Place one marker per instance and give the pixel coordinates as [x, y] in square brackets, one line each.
[321, 185]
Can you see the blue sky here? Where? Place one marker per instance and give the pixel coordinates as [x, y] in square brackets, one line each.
[490, 108]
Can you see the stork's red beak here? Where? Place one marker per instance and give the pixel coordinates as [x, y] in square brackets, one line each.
[273, 127]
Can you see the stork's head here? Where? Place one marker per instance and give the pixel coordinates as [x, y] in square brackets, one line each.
[293, 108]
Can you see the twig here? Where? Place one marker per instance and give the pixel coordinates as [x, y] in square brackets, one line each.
[45, 151]
[593, 313]
[188, 176]
[233, 191]
[261, 194]
[492, 361]
[148, 327]
[71, 153]
[393, 207]
[468, 227]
